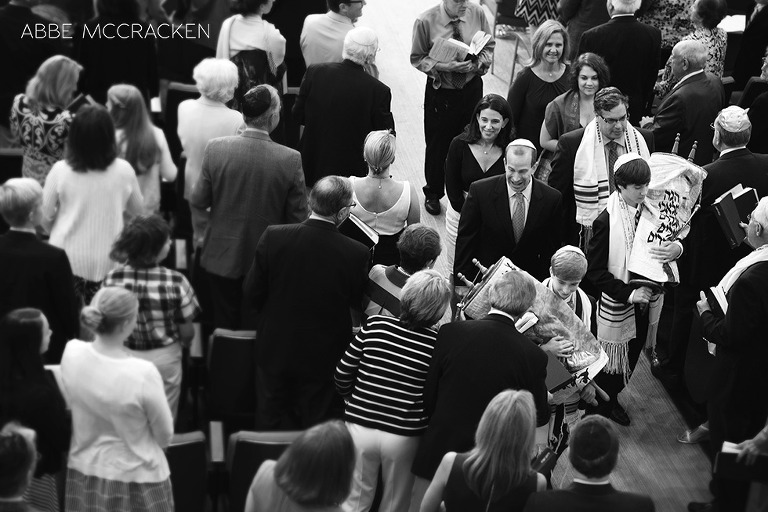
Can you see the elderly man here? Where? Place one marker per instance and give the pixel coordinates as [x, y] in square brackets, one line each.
[453, 88]
[691, 106]
[419, 247]
[339, 104]
[322, 37]
[514, 215]
[582, 169]
[304, 281]
[498, 355]
[249, 182]
[631, 50]
[708, 255]
[740, 356]
[593, 455]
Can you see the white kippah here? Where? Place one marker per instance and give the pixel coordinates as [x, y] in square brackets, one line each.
[522, 142]
[623, 159]
[363, 36]
[568, 248]
[733, 119]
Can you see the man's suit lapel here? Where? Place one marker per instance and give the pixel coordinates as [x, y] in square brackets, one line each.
[501, 205]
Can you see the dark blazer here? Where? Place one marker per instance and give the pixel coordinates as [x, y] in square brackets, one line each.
[34, 274]
[758, 114]
[250, 183]
[597, 269]
[40, 406]
[707, 256]
[689, 109]
[304, 280]
[740, 358]
[118, 60]
[751, 49]
[20, 53]
[588, 498]
[339, 104]
[561, 178]
[473, 361]
[631, 50]
[486, 232]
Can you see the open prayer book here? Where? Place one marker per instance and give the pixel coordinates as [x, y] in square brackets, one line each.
[452, 50]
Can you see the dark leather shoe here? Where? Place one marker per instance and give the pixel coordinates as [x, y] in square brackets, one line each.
[432, 206]
[696, 506]
[619, 415]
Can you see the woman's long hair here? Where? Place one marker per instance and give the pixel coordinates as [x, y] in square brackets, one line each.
[137, 143]
[54, 83]
[501, 459]
[542, 35]
[471, 133]
[21, 364]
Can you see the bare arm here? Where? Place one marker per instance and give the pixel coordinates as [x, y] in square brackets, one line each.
[414, 210]
[434, 495]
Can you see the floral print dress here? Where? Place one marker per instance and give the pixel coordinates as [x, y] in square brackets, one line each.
[42, 133]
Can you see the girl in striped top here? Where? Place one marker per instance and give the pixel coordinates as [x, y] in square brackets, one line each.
[382, 377]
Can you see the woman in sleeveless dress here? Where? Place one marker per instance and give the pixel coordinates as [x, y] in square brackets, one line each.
[496, 475]
[383, 203]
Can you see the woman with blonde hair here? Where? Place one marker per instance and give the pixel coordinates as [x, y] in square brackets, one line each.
[39, 117]
[382, 375]
[540, 82]
[383, 203]
[121, 421]
[140, 143]
[496, 474]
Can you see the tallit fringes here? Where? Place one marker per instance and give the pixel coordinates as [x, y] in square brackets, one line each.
[618, 357]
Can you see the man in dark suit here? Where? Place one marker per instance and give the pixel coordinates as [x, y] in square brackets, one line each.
[513, 215]
[691, 105]
[20, 52]
[593, 455]
[304, 281]
[611, 108]
[472, 362]
[339, 104]
[708, 256]
[735, 412]
[631, 50]
[34, 274]
[752, 46]
[249, 182]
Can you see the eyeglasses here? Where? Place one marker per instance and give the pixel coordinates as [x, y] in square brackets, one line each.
[611, 121]
[352, 205]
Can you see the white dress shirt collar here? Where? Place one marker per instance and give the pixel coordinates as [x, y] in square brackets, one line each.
[686, 77]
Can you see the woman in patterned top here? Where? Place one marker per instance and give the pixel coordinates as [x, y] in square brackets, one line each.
[40, 119]
[167, 302]
[706, 15]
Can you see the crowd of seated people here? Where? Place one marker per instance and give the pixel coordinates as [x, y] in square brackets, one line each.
[356, 346]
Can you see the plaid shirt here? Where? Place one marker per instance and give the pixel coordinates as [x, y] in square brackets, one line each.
[166, 299]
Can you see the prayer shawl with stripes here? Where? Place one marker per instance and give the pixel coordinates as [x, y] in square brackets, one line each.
[616, 320]
[590, 171]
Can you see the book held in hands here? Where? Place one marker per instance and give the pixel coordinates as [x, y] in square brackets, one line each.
[453, 50]
[733, 207]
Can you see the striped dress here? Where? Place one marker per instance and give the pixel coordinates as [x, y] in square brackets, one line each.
[382, 375]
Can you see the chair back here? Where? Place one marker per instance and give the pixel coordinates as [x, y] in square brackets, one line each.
[189, 471]
[232, 381]
[754, 88]
[246, 451]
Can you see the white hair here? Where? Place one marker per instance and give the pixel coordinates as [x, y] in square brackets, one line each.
[760, 215]
[360, 46]
[625, 6]
[694, 52]
[216, 79]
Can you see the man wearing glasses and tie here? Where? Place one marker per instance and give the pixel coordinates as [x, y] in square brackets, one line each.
[583, 167]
